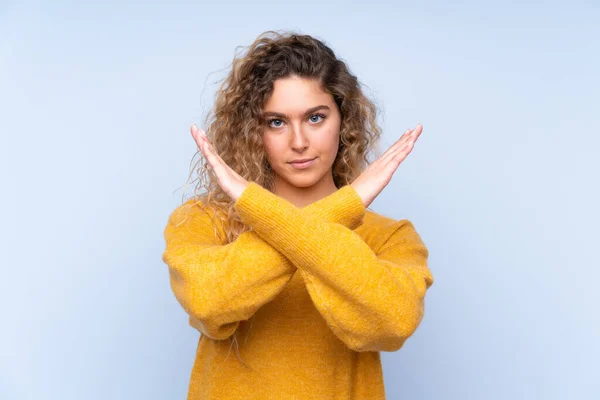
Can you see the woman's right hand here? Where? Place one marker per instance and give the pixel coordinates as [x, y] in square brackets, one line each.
[229, 180]
[379, 173]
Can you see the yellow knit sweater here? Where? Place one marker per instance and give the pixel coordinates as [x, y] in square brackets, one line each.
[310, 296]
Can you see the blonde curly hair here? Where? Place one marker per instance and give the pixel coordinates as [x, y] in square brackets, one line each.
[236, 124]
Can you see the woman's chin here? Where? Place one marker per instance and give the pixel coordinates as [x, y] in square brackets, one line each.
[301, 181]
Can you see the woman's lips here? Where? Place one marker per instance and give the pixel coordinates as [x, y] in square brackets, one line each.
[302, 165]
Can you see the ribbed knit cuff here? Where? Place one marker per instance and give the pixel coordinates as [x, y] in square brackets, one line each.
[302, 238]
[348, 207]
[344, 206]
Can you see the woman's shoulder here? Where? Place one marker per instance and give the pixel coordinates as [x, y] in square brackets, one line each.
[194, 207]
[195, 214]
[375, 220]
[378, 228]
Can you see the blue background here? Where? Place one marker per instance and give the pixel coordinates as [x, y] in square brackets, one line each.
[96, 100]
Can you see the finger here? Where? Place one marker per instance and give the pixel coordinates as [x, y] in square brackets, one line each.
[210, 147]
[396, 143]
[405, 135]
[211, 155]
[414, 133]
[390, 165]
[196, 135]
[408, 135]
[394, 160]
[410, 139]
[401, 152]
[417, 131]
[213, 160]
[200, 139]
[400, 143]
[404, 150]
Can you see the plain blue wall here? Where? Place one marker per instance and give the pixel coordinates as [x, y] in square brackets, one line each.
[96, 103]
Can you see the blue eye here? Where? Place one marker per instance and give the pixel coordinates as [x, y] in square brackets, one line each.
[271, 120]
[317, 115]
[310, 118]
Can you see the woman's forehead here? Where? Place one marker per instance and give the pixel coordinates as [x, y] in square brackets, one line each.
[293, 96]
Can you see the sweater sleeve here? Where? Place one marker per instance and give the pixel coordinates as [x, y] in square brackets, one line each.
[371, 300]
[219, 285]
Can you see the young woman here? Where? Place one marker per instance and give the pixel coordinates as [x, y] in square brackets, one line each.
[280, 257]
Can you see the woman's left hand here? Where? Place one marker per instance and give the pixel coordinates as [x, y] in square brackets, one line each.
[229, 180]
[379, 173]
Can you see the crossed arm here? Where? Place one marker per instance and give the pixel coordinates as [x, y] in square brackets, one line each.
[372, 301]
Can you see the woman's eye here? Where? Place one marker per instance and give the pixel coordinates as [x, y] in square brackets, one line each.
[316, 115]
[271, 121]
[276, 123]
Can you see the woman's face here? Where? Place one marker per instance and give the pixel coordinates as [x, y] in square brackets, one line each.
[303, 122]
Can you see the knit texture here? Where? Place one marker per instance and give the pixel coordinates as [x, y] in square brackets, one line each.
[310, 296]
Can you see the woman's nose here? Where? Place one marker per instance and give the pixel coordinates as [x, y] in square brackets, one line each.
[298, 140]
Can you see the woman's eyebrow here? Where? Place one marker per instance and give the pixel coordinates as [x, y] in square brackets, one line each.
[309, 111]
